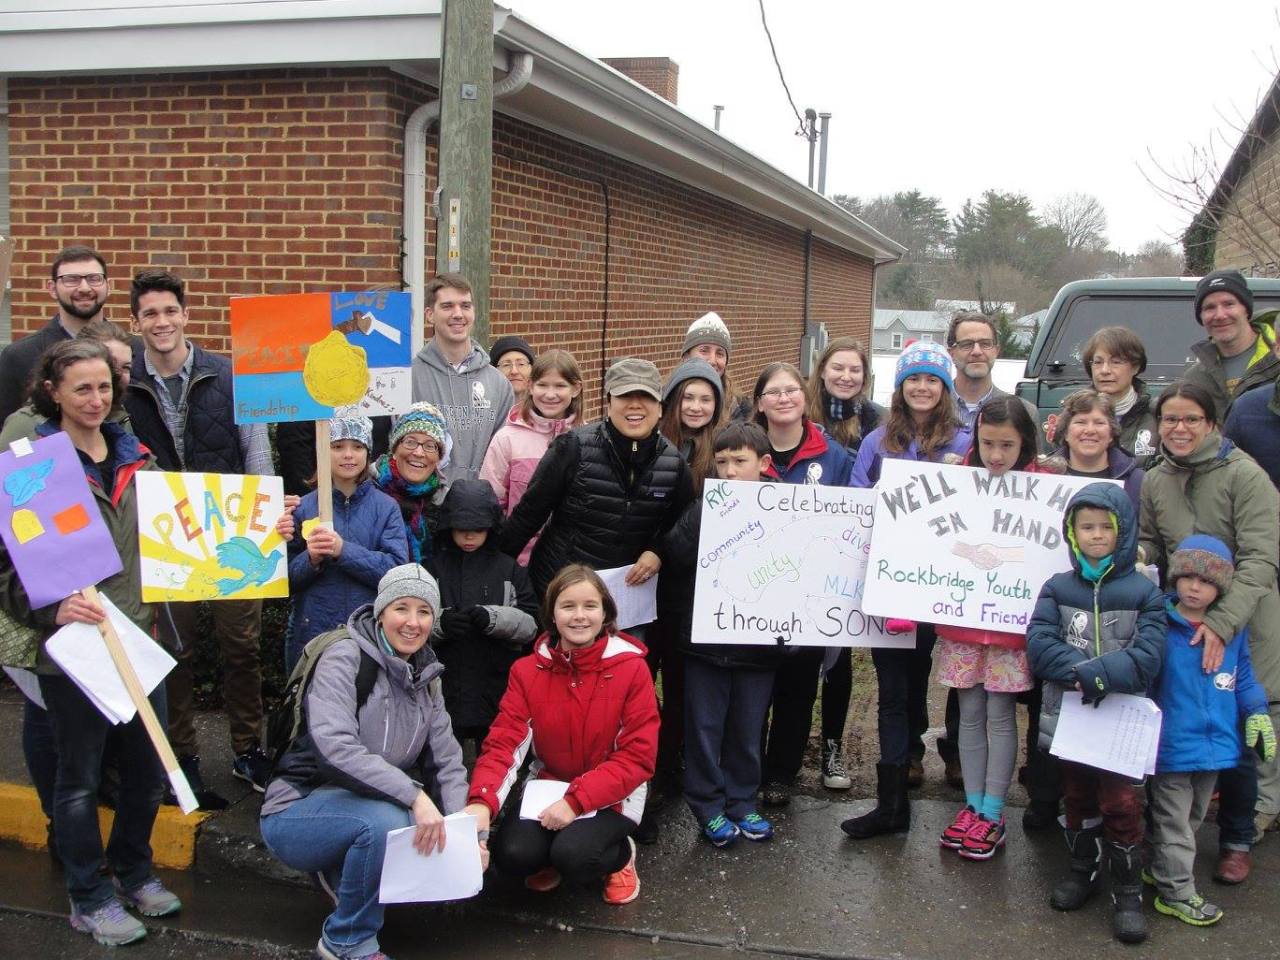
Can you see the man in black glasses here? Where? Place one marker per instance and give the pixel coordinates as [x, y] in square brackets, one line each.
[974, 347]
[79, 284]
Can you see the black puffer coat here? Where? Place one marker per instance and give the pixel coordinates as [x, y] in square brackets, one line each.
[604, 499]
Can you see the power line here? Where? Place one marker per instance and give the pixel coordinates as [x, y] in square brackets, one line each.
[774, 50]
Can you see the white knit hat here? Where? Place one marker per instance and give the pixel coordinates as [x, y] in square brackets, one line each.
[708, 328]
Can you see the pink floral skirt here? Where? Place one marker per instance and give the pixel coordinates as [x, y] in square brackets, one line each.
[999, 669]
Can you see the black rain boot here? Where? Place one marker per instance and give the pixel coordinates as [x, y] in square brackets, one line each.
[1127, 922]
[1085, 847]
[892, 813]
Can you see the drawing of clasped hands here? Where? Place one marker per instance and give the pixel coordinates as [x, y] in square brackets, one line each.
[987, 556]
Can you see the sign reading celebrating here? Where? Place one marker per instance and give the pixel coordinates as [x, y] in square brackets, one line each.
[50, 522]
[313, 356]
[956, 545]
[787, 561]
[210, 536]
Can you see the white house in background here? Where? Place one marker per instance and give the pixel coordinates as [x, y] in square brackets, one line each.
[893, 329]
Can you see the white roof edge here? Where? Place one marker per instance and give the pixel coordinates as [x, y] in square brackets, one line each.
[117, 14]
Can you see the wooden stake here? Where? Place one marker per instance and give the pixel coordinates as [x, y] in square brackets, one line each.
[177, 779]
[324, 474]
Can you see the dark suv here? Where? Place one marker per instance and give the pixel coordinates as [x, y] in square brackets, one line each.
[1158, 309]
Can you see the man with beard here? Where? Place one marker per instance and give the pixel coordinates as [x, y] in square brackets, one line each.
[974, 346]
[78, 282]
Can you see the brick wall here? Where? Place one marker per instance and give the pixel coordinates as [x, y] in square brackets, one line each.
[659, 74]
[290, 181]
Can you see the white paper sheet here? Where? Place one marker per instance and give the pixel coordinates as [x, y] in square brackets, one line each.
[1121, 734]
[28, 683]
[540, 794]
[78, 648]
[450, 874]
[636, 605]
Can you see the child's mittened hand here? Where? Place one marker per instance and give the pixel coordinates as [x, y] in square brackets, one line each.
[898, 625]
[1260, 734]
[481, 620]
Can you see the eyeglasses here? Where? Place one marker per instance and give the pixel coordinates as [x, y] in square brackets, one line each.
[520, 363]
[1191, 420]
[966, 345]
[73, 280]
[777, 393]
[426, 446]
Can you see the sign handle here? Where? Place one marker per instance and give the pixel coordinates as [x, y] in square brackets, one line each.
[324, 474]
[177, 779]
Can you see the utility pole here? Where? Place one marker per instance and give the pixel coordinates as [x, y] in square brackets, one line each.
[465, 175]
[822, 153]
[718, 108]
[811, 134]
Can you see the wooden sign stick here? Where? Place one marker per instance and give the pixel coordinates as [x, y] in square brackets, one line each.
[324, 474]
[177, 779]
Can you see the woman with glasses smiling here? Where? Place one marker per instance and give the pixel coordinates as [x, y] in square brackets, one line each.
[1204, 485]
[410, 475]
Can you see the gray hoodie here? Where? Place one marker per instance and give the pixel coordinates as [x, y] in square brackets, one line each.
[474, 402]
[400, 733]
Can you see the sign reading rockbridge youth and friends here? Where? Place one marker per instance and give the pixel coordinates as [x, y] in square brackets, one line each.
[313, 356]
[210, 536]
[781, 562]
[956, 545]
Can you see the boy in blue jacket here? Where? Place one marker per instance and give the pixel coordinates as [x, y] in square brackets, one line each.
[1098, 629]
[1202, 722]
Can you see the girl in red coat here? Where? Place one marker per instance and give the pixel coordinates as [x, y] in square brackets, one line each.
[584, 701]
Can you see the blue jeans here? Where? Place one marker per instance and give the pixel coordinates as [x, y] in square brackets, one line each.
[80, 736]
[40, 753]
[1237, 797]
[335, 829]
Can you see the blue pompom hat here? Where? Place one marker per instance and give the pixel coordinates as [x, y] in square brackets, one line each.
[923, 356]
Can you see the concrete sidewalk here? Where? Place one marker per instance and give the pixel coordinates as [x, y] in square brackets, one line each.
[809, 892]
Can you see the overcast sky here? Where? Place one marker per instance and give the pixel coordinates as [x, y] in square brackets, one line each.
[954, 98]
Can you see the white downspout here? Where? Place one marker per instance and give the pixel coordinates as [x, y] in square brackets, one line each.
[520, 69]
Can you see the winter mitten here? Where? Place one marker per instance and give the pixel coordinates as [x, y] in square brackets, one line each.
[1260, 734]
[481, 620]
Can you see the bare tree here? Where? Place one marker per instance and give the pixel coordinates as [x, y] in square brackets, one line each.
[1081, 218]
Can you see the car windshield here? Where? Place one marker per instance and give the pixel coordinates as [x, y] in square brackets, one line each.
[1164, 324]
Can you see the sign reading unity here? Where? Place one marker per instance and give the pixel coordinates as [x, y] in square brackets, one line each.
[786, 561]
[956, 545]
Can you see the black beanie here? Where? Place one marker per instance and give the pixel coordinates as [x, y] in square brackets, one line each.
[506, 345]
[1224, 281]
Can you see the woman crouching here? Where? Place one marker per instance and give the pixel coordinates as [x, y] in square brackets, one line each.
[585, 700]
[349, 776]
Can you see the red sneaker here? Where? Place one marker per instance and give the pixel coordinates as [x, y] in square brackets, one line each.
[544, 881]
[985, 837]
[953, 837]
[623, 886]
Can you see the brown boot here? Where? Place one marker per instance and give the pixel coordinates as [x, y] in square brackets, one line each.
[915, 774]
[1233, 867]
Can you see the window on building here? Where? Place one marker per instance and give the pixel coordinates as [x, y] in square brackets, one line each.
[895, 341]
[927, 337]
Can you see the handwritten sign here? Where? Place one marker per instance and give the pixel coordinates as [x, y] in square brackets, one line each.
[956, 545]
[210, 536]
[785, 560]
[313, 356]
[50, 522]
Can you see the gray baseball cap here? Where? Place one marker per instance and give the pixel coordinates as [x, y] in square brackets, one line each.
[633, 375]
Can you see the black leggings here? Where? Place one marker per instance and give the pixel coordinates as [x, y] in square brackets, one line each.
[837, 689]
[584, 852]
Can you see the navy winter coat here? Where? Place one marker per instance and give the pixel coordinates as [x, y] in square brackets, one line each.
[819, 460]
[1107, 635]
[1203, 713]
[1253, 425]
[373, 541]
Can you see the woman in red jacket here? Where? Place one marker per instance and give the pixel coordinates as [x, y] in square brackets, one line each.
[584, 700]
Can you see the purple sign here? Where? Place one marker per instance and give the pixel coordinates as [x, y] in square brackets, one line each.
[50, 521]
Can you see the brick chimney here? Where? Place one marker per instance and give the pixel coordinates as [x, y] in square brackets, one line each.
[659, 74]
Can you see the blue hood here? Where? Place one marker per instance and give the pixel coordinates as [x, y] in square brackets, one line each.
[1110, 497]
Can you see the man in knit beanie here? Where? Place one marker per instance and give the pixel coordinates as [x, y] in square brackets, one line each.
[1236, 355]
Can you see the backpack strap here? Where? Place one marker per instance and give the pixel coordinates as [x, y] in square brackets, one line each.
[366, 677]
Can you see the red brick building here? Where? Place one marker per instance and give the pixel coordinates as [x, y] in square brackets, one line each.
[267, 156]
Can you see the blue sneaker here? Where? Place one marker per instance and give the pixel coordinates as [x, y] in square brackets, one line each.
[720, 830]
[755, 827]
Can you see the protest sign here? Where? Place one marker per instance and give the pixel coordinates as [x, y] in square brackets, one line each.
[51, 525]
[785, 560]
[210, 536]
[956, 545]
[313, 356]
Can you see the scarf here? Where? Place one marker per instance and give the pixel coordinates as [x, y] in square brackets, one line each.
[1125, 403]
[838, 409]
[1095, 570]
[413, 498]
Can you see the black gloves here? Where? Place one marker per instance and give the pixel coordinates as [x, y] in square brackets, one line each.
[481, 619]
[458, 623]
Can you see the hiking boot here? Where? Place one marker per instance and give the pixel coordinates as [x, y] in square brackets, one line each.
[151, 899]
[952, 774]
[984, 838]
[834, 775]
[108, 924]
[1128, 925]
[544, 881]
[953, 837]
[208, 800]
[720, 830]
[775, 794]
[1233, 867]
[1040, 815]
[755, 827]
[1085, 847]
[915, 773]
[1196, 911]
[253, 768]
[624, 885]
[892, 813]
